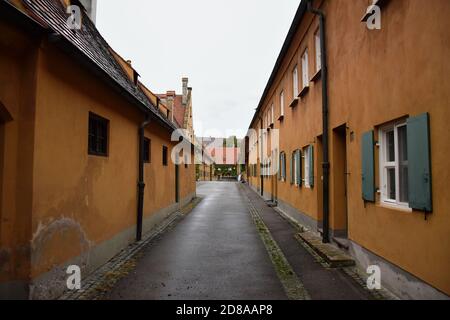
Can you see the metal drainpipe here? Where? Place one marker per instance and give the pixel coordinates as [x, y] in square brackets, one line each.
[261, 144]
[326, 162]
[141, 182]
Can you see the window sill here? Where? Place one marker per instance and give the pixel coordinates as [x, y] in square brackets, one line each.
[96, 154]
[303, 92]
[294, 103]
[317, 76]
[395, 207]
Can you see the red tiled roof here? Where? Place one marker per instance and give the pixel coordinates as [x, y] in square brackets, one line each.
[179, 109]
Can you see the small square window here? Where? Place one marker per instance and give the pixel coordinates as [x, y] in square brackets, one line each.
[98, 135]
[164, 156]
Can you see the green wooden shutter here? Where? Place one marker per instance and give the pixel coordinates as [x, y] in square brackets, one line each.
[284, 166]
[299, 168]
[311, 166]
[419, 165]
[368, 166]
[292, 168]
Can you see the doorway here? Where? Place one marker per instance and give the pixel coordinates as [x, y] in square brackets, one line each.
[340, 181]
[177, 183]
[319, 168]
[5, 117]
[274, 175]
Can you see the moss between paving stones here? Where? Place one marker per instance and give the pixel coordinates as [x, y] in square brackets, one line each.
[292, 285]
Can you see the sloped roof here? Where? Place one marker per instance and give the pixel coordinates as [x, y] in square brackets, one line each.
[302, 8]
[89, 42]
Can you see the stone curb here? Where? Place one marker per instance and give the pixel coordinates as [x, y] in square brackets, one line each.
[333, 256]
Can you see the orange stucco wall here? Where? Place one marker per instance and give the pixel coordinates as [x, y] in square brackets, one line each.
[374, 77]
[18, 57]
[58, 202]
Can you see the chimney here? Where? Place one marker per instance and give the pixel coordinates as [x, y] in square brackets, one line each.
[91, 8]
[170, 98]
[185, 90]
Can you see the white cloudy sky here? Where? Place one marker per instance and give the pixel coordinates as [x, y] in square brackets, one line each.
[227, 48]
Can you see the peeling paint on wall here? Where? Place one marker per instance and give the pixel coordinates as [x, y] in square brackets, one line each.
[45, 235]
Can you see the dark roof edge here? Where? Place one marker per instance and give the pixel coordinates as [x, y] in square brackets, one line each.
[67, 47]
[8, 10]
[33, 25]
[286, 45]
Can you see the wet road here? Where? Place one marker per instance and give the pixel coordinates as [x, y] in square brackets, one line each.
[213, 253]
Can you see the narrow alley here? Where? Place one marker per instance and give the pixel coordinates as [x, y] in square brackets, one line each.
[224, 150]
[216, 253]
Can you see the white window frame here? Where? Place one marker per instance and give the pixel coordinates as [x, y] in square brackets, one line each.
[273, 114]
[318, 50]
[283, 166]
[282, 103]
[296, 168]
[295, 87]
[306, 158]
[305, 69]
[384, 165]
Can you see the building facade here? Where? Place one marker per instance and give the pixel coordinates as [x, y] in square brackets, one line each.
[387, 101]
[180, 108]
[80, 137]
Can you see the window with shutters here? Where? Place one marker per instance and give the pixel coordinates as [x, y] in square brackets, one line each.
[394, 165]
[306, 161]
[282, 103]
[296, 156]
[282, 174]
[98, 135]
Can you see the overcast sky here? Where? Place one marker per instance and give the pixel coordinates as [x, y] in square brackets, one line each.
[227, 48]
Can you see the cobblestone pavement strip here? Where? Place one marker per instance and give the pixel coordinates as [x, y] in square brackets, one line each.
[320, 280]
